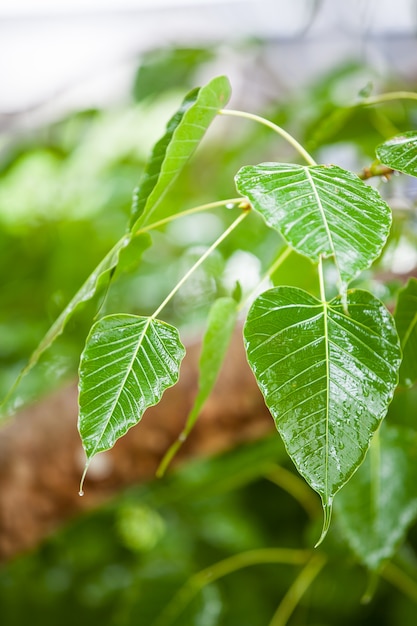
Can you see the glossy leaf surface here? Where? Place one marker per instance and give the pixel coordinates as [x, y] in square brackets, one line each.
[127, 364]
[184, 132]
[400, 153]
[406, 321]
[379, 503]
[320, 210]
[327, 377]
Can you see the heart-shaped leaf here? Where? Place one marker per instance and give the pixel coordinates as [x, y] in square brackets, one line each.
[327, 377]
[406, 320]
[380, 502]
[400, 153]
[320, 210]
[126, 365]
[184, 132]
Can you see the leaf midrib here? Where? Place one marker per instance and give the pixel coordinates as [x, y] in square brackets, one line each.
[121, 387]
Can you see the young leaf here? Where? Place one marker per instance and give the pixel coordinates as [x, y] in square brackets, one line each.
[379, 503]
[320, 210]
[406, 320]
[400, 153]
[220, 324]
[184, 132]
[327, 377]
[126, 365]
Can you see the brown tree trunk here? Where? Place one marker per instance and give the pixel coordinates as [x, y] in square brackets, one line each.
[41, 458]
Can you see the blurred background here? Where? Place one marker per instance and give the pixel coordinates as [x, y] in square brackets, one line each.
[86, 88]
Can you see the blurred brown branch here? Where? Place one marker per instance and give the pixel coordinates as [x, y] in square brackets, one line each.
[41, 457]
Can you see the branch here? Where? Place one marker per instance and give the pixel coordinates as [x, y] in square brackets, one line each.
[41, 458]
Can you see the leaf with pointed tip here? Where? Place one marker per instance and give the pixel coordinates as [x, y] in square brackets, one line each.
[327, 377]
[320, 210]
[400, 153]
[379, 504]
[127, 363]
[184, 132]
[406, 319]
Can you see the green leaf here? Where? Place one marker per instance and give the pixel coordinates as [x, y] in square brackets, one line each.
[184, 132]
[400, 153]
[220, 324]
[406, 320]
[320, 210]
[126, 365]
[327, 377]
[379, 504]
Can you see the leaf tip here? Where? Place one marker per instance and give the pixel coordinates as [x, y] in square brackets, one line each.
[327, 516]
[84, 474]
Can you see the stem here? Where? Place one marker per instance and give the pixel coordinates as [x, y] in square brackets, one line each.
[196, 209]
[206, 576]
[192, 417]
[401, 580]
[271, 269]
[387, 97]
[376, 169]
[321, 280]
[296, 487]
[297, 590]
[199, 262]
[280, 131]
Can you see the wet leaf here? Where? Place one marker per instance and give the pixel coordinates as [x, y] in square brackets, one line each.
[400, 153]
[320, 210]
[379, 504]
[127, 364]
[327, 377]
[184, 132]
[406, 320]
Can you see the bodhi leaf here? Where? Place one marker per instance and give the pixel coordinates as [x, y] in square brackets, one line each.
[127, 363]
[320, 210]
[184, 132]
[400, 153]
[379, 503]
[406, 320]
[327, 378]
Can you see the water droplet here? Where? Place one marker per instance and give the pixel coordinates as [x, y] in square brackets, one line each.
[81, 493]
[230, 205]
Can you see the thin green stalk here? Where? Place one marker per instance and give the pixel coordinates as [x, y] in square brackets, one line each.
[196, 209]
[297, 590]
[296, 487]
[201, 260]
[271, 269]
[401, 580]
[206, 576]
[280, 131]
[387, 97]
[192, 417]
[321, 280]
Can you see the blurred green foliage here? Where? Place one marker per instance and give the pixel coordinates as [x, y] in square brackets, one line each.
[65, 196]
